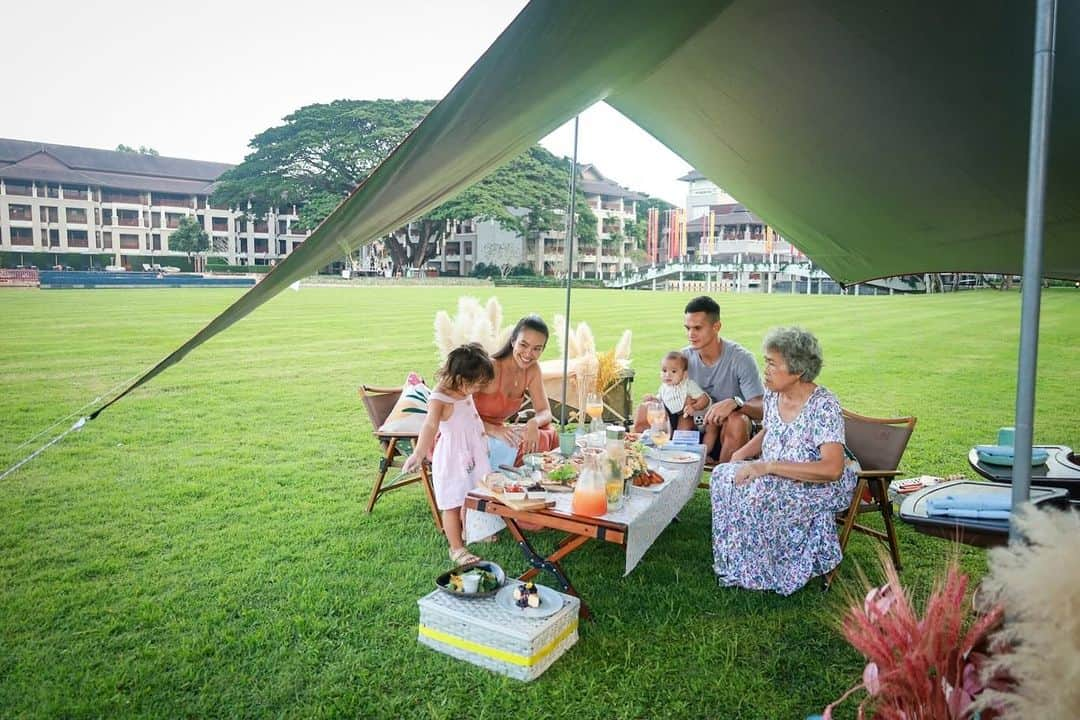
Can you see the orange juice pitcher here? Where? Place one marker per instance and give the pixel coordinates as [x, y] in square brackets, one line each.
[590, 493]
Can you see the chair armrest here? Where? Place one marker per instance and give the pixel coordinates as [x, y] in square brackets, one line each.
[870, 474]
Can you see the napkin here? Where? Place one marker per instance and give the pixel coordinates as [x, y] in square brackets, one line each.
[1005, 454]
[979, 506]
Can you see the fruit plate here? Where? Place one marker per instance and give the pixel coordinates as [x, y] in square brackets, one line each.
[443, 581]
[550, 601]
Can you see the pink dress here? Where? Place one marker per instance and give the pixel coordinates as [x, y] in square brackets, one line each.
[460, 460]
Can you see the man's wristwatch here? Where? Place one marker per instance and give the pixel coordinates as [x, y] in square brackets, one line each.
[739, 402]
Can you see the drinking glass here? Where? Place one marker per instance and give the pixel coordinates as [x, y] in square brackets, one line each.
[594, 405]
[659, 424]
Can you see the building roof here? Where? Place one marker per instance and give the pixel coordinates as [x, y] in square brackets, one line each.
[68, 164]
[593, 182]
[693, 176]
[737, 217]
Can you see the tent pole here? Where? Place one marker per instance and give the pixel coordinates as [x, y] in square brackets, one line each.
[571, 208]
[1041, 99]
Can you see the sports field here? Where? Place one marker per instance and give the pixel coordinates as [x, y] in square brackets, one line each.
[202, 550]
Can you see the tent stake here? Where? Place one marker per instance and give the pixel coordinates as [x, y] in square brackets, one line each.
[1041, 99]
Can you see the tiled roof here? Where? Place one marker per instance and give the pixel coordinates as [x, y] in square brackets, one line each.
[25, 160]
[739, 217]
[606, 187]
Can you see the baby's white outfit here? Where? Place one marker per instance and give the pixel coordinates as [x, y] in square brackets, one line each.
[674, 396]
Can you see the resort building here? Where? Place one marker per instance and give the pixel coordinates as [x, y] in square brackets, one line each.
[472, 242]
[61, 204]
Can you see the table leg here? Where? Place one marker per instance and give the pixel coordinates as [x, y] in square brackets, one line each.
[550, 564]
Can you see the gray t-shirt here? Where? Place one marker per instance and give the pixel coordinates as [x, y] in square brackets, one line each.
[735, 373]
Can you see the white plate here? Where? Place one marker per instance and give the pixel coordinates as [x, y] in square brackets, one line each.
[550, 601]
[678, 456]
[667, 473]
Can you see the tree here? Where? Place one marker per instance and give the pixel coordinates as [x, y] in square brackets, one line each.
[189, 237]
[143, 150]
[318, 156]
[323, 151]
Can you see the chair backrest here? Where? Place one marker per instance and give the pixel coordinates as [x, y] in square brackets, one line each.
[378, 402]
[877, 443]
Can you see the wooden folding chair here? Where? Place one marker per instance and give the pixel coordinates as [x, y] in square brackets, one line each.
[378, 402]
[878, 444]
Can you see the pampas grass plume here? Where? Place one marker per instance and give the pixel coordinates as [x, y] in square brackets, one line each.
[1038, 582]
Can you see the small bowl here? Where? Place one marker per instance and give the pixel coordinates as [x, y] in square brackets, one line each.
[533, 461]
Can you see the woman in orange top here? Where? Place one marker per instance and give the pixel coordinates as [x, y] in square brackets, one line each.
[517, 372]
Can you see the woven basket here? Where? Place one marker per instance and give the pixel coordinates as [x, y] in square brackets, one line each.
[481, 632]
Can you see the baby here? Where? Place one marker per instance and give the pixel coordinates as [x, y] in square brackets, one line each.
[682, 397]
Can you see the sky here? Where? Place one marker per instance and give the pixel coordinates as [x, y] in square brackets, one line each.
[199, 79]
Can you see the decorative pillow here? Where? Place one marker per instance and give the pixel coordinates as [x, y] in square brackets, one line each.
[411, 408]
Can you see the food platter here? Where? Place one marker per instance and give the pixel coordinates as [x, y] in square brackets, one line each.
[550, 602]
[678, 456]
[666, 474]
[444, 581]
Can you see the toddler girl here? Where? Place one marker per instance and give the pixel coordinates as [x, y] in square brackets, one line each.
[461, 453]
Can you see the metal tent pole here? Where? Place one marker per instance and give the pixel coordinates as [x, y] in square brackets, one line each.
[1041, 100]
[572, 207]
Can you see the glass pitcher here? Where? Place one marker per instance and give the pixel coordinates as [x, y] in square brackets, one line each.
[590, 493]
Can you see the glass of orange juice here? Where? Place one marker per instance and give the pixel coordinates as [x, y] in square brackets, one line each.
[659, 425]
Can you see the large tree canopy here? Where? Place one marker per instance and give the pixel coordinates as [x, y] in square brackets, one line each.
[318, 156]
[324, 151]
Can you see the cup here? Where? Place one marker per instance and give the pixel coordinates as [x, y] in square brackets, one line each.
[567, 443]
[1006, 436]
[470, 582]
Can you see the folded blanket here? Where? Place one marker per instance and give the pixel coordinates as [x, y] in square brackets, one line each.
[970, 514]
[1005, 454]
[970, 501]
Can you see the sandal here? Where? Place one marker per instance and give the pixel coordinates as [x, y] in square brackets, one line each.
[462, 556]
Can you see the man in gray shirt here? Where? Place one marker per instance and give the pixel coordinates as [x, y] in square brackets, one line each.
[727, 372]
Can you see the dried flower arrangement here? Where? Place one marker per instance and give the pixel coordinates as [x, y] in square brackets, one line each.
[949, 665]
[1038, 584]
[919, 667]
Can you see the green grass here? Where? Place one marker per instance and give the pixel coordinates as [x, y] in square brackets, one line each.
[202, 550]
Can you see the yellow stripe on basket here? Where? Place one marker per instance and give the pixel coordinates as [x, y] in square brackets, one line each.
[495, 653]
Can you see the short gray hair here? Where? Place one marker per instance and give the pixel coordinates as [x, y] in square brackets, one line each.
[799, 348]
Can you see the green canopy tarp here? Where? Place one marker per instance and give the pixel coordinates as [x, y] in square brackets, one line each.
[882, 139]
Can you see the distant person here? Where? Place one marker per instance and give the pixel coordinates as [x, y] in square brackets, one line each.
[774, 518]
[727, 372]
[460, 460]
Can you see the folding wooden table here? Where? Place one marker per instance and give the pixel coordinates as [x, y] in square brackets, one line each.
[634, 528]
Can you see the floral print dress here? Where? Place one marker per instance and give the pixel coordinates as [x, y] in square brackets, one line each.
[775, 533]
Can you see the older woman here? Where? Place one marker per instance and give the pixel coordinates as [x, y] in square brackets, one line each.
[517, 371]
[773, 521]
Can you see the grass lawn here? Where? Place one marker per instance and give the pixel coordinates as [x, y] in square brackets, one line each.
[202, 550]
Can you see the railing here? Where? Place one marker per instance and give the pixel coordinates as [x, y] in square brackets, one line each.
[170, 202]
[14, 214]
[121, 198]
